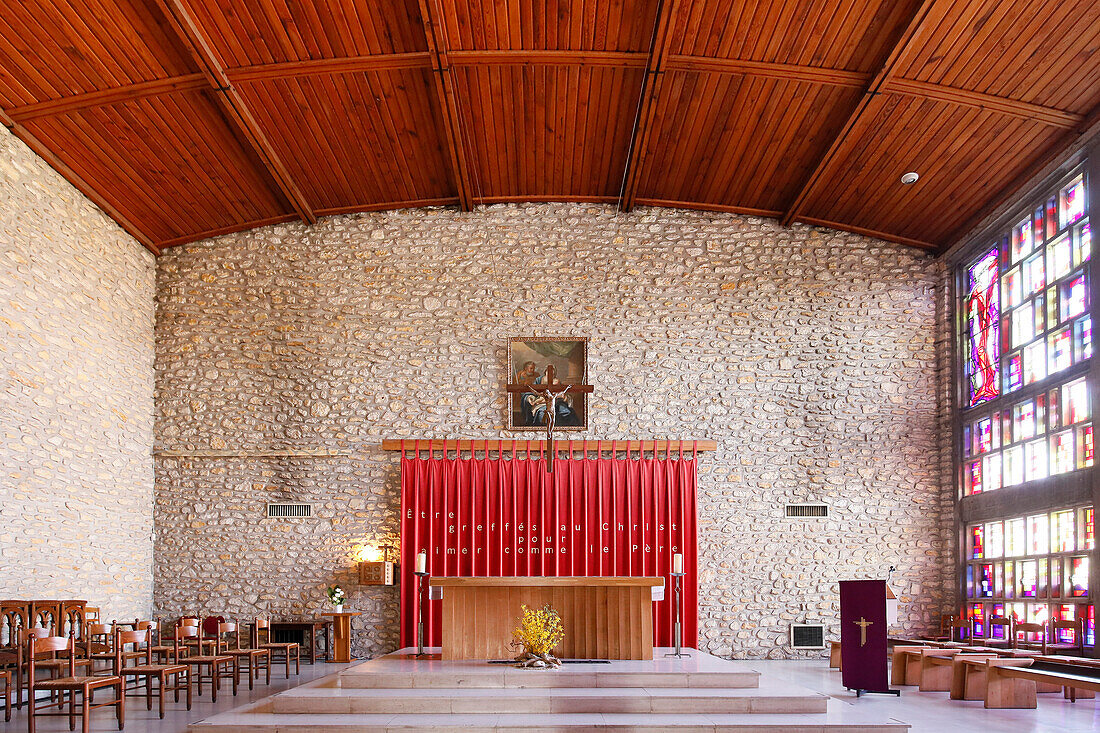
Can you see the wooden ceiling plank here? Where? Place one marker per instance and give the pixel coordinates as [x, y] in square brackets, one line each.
[435, 35]
[659, 43]
[182, 21]
[90, 192]
[207, 234]
[907, 37]
[117, 95]
[874, 234]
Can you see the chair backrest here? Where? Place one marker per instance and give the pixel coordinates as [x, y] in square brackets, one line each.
[1074, 625]
[183, 633]
[73, 618]
[229, 635]
[1002, 621]
[261, 625]
[14, 615]
[91, 613]
[1028, 628]
[136, 638]
[47, 645]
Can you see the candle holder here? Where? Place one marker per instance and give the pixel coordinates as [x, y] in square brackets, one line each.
[677, 627]
[420, 612]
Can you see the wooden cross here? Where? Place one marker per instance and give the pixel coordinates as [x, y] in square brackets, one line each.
[550, 390]
[862, 624]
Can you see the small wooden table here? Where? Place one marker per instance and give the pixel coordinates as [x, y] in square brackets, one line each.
[309, 630]
[341, 632]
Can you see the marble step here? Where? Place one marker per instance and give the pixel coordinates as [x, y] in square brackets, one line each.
[502, 678]
[332, 700]
[844, 721]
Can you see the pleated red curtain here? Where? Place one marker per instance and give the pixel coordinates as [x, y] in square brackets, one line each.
[504, 516]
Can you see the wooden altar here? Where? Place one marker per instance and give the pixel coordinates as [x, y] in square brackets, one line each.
[604, 618]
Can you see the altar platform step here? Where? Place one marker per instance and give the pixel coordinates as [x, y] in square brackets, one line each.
[548, 700]
[402, 693]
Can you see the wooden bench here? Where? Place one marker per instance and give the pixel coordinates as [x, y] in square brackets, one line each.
[898, 664]
[968, 676]
[935, 669]
[1011, 683]
[1071, 693]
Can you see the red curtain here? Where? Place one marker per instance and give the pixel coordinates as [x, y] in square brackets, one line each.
[504, 517]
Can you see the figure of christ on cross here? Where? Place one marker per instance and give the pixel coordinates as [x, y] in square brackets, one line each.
[862, 624]
[549, 391]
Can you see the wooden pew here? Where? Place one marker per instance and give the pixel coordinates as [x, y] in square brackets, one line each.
[898, 663]
[935, 669]
[834, 655]
[1071, 693]
[1010, 683]
[964, 685]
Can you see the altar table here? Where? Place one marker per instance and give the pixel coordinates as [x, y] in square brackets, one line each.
[604, 618]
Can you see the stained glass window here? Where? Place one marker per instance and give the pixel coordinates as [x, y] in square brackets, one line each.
[1026, 341]
[983, 314]
[1051, 581]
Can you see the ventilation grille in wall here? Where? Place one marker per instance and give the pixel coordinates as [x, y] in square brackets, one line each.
[286, 511]
[802, 511]
[808, 636]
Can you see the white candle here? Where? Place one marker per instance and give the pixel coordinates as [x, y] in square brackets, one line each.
[677, 563]
[422, 562]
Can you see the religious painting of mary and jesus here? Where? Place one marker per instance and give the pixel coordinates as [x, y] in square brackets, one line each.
[530, 361]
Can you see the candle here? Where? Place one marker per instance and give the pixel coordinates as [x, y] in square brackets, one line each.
[422, 562]
[677, 563]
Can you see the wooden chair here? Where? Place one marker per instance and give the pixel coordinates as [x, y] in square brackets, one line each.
[261, 628]
[1061, 647]
[959, 629]
[69, 683]
[5, 677]
[255, 658]
[1002, 642]
[220, 665]
[1029, 628]
[52, 664]
[161, 673]
[100, 647]
[945, 629]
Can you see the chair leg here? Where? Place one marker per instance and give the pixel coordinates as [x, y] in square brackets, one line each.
[235, 685]
[85, 711]
[121, 710]
[72, 707]
[188, 688]
[149, 692]
[160, 692]
[215, 683]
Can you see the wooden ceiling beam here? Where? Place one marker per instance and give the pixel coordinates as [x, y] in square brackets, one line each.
[182, 22]
[615, 59]
[345, 65]
[443, 85]
[782, 72]
[885, 72]
[118, 95]
[78, 182]
[1015, 108]
[647, 102]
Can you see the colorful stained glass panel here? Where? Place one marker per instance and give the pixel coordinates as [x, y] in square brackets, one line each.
[983, 314]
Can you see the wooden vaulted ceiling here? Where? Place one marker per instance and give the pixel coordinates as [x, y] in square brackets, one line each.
[184, 119]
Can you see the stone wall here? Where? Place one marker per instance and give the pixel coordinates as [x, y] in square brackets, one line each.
[810, 356]
[76, 395]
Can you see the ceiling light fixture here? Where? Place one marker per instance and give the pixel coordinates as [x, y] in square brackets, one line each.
[910, 177]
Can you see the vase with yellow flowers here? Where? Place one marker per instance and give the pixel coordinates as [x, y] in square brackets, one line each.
[539, 631]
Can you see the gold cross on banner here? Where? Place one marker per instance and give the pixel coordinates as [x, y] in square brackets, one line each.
[862, 624]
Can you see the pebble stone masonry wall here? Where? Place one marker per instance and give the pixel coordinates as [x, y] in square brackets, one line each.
[813, 357]
[76, 395]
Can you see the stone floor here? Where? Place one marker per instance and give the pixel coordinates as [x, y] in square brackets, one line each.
[176, 717]
[930, 712]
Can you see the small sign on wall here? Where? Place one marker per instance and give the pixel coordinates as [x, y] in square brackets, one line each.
[375, 573]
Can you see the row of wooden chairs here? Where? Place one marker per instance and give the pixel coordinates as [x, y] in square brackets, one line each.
[194, 651]
[1005, 632]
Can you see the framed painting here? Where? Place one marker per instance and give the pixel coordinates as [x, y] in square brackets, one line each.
[530, 360]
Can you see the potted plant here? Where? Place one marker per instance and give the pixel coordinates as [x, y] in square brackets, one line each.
[336, 597]
[539, 631]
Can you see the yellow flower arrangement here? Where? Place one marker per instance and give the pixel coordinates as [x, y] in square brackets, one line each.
[539, 631]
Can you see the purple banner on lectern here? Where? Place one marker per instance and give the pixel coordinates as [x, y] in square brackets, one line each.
[863, 635]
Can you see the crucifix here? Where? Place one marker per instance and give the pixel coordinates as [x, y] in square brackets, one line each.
[862, 624]
[549, 391]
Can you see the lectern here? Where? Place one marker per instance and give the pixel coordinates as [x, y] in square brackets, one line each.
[604, 618]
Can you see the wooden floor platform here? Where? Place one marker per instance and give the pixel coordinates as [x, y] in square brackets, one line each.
[398, 692]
